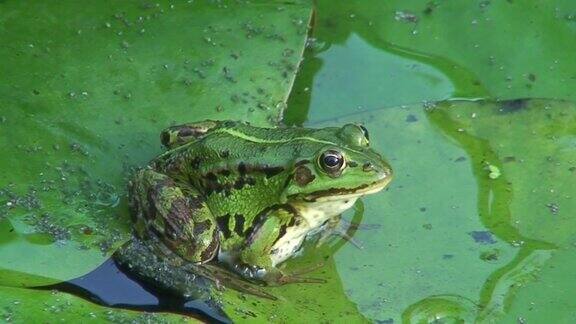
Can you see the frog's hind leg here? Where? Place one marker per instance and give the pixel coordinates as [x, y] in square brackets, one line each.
[175, 213]
[178, 135]
[148, 264]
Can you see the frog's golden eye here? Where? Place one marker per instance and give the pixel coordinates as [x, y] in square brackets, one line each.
[332, 162]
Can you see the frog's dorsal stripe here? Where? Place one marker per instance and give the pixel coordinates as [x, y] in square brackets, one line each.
[255, 139]
[270, 141]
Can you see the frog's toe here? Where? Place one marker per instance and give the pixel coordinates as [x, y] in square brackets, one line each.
[278, 277]
[283, 279]
[248, 288]
[225, 279]
[287, 279]
[341, 228]
[341, 233]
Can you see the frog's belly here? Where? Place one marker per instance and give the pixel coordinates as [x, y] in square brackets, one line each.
[314, 216]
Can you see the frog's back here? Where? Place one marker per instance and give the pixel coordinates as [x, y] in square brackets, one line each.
[229, 145]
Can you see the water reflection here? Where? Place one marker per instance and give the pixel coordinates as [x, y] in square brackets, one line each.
[495, 197]
[356, 76]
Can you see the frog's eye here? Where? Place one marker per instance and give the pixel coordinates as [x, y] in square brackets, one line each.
[365, 131]
[332, 162]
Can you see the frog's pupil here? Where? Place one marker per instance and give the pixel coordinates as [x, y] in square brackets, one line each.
[331, 160]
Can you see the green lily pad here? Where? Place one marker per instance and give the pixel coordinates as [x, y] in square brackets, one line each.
[86, 89]
[449, 241]
[26, 306]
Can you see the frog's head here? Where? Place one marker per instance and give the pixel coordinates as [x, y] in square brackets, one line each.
[340, 165]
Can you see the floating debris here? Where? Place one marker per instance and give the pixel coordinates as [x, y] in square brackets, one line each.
[411, 118]
[493, 171]
[46, 224]
[553, 207]
[482, 237]
[491, 255]
[405, 16]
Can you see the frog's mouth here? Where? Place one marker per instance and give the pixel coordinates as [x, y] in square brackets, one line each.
[347, 193]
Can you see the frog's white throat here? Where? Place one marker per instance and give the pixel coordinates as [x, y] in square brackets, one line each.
[314, 215]
[318, 212]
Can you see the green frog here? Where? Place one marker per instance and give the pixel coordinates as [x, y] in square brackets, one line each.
[246, 197]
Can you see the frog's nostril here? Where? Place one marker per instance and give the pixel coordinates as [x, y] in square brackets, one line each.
[368, 166]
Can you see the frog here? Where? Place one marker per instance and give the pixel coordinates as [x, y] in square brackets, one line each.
[230, 197]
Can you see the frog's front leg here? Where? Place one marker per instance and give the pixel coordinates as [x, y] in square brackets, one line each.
[256, 261]
[175, 213]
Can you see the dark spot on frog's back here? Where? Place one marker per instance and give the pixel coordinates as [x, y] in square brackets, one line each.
[272, 171]
[211, 176]
[202, 227]
[244, 181]
[239, 184]
[239, 224]
[512, 106]
[195, 163]
[269, 171]
[224, 154]
[224, 225]
[303, 176]
[196, 202]
[242, 168]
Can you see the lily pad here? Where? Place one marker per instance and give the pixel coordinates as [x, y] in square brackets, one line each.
[450, 241]
[86, 89]
[26, 305]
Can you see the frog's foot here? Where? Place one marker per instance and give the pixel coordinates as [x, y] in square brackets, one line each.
[342, 233]
[277, 277]
[360, 226]
[223, 278]
[340, 228]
